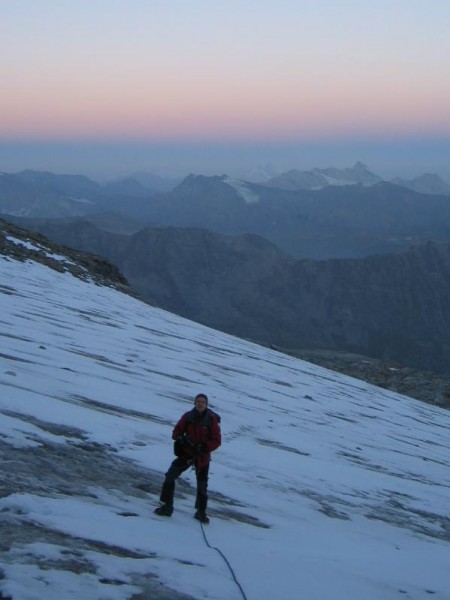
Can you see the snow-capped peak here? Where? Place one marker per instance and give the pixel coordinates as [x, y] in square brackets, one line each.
[243, 189]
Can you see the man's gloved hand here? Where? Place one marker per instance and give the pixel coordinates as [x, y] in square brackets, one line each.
[200, 448]
[181, 439]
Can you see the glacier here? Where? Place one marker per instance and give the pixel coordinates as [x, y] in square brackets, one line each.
[325, 487]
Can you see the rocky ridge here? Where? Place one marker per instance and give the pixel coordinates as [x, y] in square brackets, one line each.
[22, 244]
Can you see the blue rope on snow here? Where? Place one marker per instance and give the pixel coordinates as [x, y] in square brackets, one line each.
[226, 561]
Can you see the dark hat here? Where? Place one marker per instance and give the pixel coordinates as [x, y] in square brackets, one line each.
[201, 396]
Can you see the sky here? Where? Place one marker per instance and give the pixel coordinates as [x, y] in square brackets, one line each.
[323, 483]
[169, 85]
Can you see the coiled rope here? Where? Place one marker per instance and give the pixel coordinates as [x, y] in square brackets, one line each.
[227, 562]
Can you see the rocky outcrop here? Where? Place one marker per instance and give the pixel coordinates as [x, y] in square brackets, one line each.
[23, 244]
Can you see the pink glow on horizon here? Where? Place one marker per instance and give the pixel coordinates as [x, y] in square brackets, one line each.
[224, 117]
[171, 106]
[291, 69]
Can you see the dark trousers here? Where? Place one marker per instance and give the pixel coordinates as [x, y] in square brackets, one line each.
[179, 466]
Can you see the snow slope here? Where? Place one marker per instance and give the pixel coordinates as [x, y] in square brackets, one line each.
[243, 190]
[324, 488]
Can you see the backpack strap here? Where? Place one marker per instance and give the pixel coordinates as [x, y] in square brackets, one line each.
[206, 419]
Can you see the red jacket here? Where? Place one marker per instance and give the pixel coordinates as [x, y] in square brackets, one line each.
[199, 429]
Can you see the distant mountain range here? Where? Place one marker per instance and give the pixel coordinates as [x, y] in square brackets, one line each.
[333, 222]
[358, 216]
[429, 183]
[237, 255]
[317, 179]
[152, 181]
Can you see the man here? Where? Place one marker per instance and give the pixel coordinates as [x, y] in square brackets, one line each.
[196, 435]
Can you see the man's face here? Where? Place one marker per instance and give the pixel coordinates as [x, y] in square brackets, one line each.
[200, 404]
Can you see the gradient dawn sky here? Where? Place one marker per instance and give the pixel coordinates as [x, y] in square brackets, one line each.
[106, 87]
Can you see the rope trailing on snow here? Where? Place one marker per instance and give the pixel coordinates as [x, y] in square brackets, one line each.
[227, 562]
[219, 551]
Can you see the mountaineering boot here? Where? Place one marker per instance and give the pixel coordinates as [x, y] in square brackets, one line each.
[201, 516]
[165, 510]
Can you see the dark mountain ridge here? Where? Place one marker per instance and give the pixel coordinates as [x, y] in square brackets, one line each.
[341, 221]
[47, 195]
[428, 183]
[333, 222]
[78, 186]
